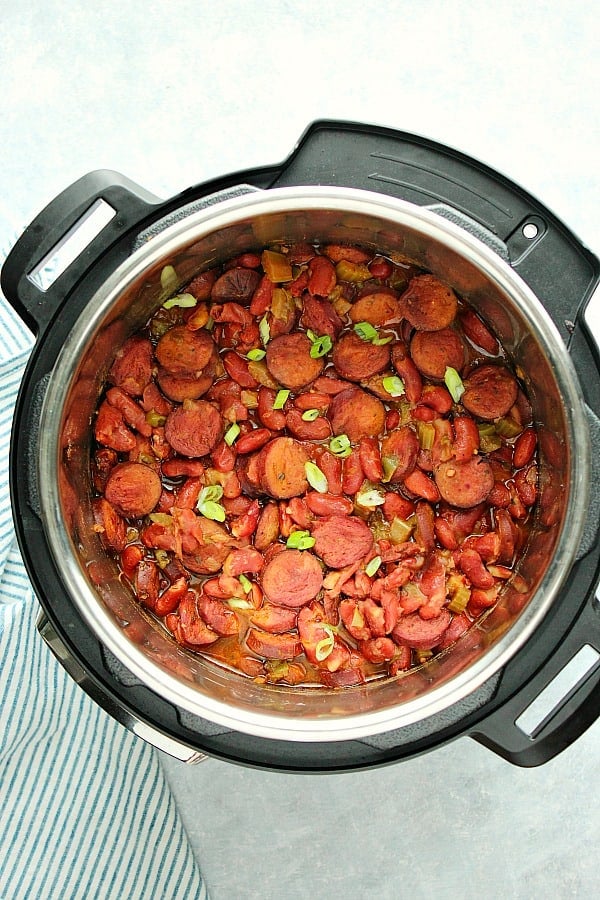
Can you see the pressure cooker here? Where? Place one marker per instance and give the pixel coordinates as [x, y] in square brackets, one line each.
[86, 274]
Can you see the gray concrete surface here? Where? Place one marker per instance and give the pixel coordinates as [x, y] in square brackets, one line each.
[172, 94]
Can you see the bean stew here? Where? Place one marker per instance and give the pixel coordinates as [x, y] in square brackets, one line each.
[315, 465]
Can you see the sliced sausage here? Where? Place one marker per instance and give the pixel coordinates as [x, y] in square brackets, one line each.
[183, 387]
[184, 352]
[220, 618]
[194, 629]
[133, 489]
[429, 304]
[327, 384]
[400, 448]
[237, 285]
[132, 367]
[341, 540]
[378, 308]
[282, 468]
[490, 392]
[464, 484]
[433, 351]
[356, 413]
[290, 363]
[273, 646]
[267, 530]
[274, 619]
[194, 429]
[356, 359]
[421, 634]
[320, 317]
[292, 578]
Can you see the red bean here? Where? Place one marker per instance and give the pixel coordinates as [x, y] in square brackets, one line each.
[524, 448]
[316, 430]
[477, 332]
[353, 475]
[419, 484]
[370, 458]
[253, 440]
[328, 504]
[471, 564]
[466, 438]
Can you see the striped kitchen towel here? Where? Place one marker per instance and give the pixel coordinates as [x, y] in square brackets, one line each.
[85, 811]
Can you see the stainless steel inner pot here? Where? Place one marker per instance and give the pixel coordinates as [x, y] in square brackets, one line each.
[125, 301]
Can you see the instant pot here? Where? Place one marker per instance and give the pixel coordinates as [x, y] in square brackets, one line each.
[507, 255]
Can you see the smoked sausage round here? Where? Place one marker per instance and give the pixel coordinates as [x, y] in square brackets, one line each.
[133, 489]
[290, 363]
[194, 429]
[341, 540]
[292, 578]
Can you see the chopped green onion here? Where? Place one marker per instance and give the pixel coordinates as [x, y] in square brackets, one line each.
[423, 655]
[187, 301]
[239, 603]
[310, 415]
[211, 510]
[311, 336]
[365, 331]
[372, 566]
[454, 383]
[207, 504]
[256, 355]
[211, 492]
[370, 497]
[379, 341]
[264, 330]
[340, 445]
[210, 324]
[325, 647]
[231, 434]
[300, 540]
[316, 478]
[168, 278]
[393, 385]
[281, 398]
[320, 346]
[245, 583]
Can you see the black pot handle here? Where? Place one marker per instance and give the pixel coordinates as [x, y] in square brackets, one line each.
[103, 202]
[557, 705]
[549, 257]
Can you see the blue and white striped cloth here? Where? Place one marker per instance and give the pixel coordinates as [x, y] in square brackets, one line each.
[85, 811]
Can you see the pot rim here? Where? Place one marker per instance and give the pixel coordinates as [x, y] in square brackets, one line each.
[162, 247]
